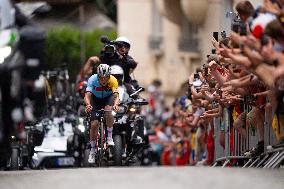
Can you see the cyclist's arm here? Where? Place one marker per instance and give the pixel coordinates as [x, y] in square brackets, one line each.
[114, 88]
[88, 93]
[116, 98]
[87, 98]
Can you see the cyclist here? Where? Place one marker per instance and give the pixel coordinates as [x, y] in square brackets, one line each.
[102, 90]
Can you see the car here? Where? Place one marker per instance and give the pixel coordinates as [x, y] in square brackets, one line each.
[53, 151]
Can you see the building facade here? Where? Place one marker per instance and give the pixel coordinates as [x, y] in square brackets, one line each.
[171, 38]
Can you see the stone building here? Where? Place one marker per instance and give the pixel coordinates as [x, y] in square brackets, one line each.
[171, 38]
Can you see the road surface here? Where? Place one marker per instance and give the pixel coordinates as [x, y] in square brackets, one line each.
[144, 178]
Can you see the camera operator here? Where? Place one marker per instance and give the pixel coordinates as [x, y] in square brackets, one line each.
[114, 53]
[128, 63]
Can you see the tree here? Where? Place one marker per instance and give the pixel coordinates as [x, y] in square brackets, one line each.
[63, 46]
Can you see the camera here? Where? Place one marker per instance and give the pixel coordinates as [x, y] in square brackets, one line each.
[196, 76]
[110, 48]
[237, 25]
[223, 34]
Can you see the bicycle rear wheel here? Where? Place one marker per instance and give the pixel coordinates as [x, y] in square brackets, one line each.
[101, 145]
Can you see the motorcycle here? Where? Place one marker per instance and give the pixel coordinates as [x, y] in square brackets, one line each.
[22, 149]
[129, 126]
[77, 142]
[129, 131]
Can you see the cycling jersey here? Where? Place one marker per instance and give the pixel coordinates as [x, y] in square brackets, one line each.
[100, 91]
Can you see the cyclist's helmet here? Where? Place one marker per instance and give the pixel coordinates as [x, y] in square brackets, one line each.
[103, 70]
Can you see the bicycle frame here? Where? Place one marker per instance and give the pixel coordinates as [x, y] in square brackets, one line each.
[101, 140]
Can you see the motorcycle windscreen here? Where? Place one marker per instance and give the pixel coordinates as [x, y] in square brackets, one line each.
[123, 96]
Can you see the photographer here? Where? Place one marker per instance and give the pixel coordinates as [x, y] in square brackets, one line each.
[114, 53]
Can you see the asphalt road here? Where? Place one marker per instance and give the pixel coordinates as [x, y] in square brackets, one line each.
[144, 178]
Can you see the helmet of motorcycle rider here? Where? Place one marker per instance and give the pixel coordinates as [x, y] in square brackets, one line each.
[123, 40]
[103, 70]
[118, 73]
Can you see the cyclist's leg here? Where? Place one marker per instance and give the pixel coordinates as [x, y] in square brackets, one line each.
[109, 118]
[95, 117]
[93, 137]
[94, 134]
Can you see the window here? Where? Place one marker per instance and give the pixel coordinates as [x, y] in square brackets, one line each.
[156, 35]
[188, 42]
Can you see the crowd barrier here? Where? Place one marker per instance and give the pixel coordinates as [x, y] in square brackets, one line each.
[235, 145]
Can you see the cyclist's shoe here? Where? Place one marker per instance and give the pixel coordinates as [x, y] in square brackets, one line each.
[92, 157]
[110, 141]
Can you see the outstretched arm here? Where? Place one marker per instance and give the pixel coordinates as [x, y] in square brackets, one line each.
[88, 67]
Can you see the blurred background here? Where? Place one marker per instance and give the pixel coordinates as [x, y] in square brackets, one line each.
[49, 49]
[169, 37]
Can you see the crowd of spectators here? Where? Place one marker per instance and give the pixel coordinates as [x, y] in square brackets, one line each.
[246, 68]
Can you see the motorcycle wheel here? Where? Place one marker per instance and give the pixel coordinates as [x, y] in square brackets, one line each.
[15, 159]
[117, 150]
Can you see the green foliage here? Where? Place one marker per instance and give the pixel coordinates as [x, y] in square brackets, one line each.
[63, 45]
[108, 7]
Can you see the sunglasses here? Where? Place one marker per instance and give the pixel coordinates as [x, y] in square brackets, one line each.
[123, 44]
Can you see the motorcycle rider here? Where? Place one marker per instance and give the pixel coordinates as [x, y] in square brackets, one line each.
[102, 90]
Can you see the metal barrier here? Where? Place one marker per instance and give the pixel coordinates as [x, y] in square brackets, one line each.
[236, 145]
